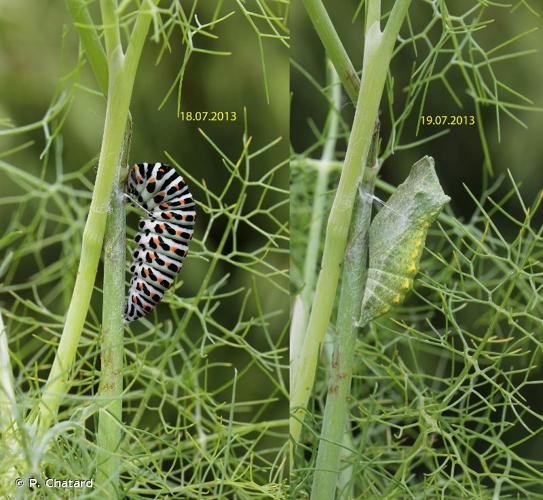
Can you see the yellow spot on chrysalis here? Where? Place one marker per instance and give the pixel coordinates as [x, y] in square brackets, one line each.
[405, 284]
[411, 268]
[396, 299]
[385, 309]
[419, 242]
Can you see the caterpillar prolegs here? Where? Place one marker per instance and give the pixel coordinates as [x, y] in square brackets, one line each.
[163, 236]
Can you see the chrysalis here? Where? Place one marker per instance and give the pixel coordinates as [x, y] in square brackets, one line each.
[163, 236]
[396, 239]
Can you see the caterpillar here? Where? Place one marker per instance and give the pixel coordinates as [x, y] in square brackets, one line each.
[396, 239]
[163, 237]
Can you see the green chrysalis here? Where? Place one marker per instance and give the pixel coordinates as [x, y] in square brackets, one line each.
[396, 239]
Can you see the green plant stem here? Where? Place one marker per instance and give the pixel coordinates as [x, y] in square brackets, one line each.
[90, 41]
[122, 72]
[341, 370]
[111, 372]
[333, 46]
[112, 33]
[7, 393]
[377, 54]
[299, 324]
[9, 444]
[317, 213]
[353, 284]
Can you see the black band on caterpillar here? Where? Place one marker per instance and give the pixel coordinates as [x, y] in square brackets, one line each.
[163, 236]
